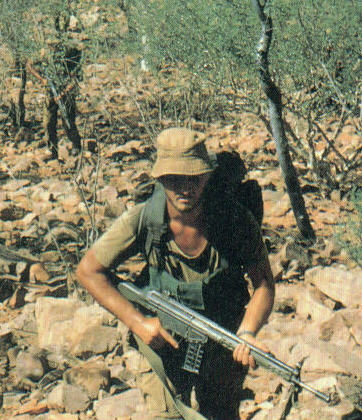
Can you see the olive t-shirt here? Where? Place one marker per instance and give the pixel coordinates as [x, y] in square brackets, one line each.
[115, 244]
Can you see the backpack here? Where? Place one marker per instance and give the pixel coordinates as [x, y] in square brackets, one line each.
[225, 191]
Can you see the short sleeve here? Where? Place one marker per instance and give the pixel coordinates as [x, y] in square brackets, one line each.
[119, 238]
[251, 247]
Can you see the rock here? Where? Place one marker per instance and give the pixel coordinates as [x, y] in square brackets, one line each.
[94, 315]
[335, 329]
[356, 331]
[315, 358]
[286, 297]
[247, 409]
[332, 249]
[249, 143]
[49, 314]
[93, 340]
[69, 398]
[114, 208]
[326, 356]
[295, 251]
[21, 269]
[6, 337]
[28, 365]
[317, 410]
[278, 207]
[25, 321]
[9, 212]
[12, 354]
[91, 376]
[339, 283]
[51, 256]
[310, 305]
[32, 407]
[351, 387]
[107, 193]
[18, 298]
[119, 406]
[276, 266]
[56, 416]
[70, 325]
[70, 203]
[37, 273]
[16, 184]
[12, 399]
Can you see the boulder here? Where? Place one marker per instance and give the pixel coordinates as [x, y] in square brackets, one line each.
[25, 321]
[50, 313]
[335, 330]
[286, 297]
[315, 358]
[326, 356]
[91, 377]
[108, 193]
[16, 184]
[69, 398]
[6, 337]
[339, 283]
[123, 405]
[29, 366]
[316, 410]
[310, 305]
[93, 315]
[70, 325]
[9, 212]
[95, 339]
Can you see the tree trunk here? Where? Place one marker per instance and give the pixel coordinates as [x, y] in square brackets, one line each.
[22, 91]
[50, 118]
[18, 109]
[276, 121]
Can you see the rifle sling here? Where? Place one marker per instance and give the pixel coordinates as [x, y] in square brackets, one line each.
[156, 363]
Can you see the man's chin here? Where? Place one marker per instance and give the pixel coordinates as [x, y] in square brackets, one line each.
[185, 206]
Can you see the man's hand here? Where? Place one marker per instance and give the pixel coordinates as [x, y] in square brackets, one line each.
[242, 354]
[151, 332]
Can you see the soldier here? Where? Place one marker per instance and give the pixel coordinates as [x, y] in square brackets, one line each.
[199, 254]
[60, 73]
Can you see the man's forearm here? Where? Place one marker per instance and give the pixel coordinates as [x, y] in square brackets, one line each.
[92, 275]
[258, 310]
[98, 285]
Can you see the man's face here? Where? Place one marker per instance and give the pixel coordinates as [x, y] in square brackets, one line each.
[184, 192]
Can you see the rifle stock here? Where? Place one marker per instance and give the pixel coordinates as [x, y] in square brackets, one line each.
[196, 329]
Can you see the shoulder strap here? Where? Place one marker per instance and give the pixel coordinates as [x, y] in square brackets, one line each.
[153, 225]
[186, 413]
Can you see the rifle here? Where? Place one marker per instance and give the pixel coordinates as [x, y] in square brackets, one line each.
[196, 329]
[59, 102]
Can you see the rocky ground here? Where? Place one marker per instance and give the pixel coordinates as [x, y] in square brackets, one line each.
[64, 357]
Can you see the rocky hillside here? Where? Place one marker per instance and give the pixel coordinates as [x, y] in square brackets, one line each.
[64, 357]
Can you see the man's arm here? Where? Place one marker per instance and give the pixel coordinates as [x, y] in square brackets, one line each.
[35, 73]
[93, 276]
[258, 310]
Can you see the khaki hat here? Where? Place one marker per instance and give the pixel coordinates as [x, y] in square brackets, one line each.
[181, 151]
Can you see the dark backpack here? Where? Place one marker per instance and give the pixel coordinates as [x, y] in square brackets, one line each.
[226, 194]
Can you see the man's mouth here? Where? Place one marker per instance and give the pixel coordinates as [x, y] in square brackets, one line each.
[184, 198]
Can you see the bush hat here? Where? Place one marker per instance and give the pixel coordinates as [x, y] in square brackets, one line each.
[181, 151]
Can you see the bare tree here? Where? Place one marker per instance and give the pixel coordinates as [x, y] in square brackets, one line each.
[276, 121]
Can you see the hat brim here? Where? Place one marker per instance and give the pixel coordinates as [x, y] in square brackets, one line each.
[187, 167]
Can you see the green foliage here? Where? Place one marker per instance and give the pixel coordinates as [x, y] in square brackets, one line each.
[316, 50]
[349, 234]
[211, 37]
[15, 25]
[316, 47]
